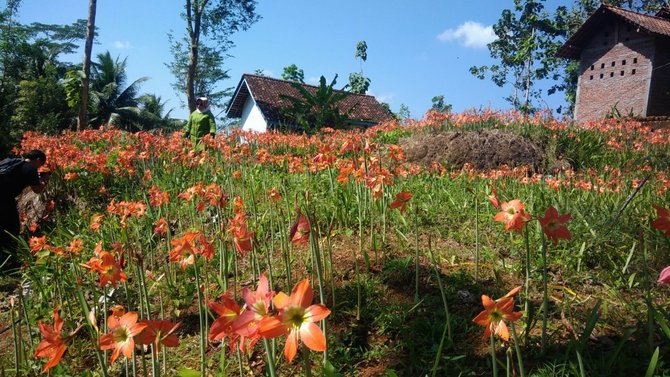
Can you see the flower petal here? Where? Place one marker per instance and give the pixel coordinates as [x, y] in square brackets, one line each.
[291, 347]
[317, 312]
[313, 337]
[302, 294]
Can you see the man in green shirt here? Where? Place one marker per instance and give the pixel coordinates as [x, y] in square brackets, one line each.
[201, 122]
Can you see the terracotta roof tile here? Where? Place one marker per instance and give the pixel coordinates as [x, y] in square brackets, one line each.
[651, 24]
[267, 92]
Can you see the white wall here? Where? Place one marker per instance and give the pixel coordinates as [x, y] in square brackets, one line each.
[252, 118]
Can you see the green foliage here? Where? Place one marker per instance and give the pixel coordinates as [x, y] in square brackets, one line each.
[439, 105]
[111, 103]
[30, 98]
[357, 82]
[41, 105]
[200, 54]
[314, 110]
[293, 73]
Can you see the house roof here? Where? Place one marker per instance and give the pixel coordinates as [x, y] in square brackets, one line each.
[267, 91]
[657, 25]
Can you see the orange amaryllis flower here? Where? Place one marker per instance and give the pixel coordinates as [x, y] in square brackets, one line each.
[75, 246]
[228, 312]
[161, 227]
[257, 306]
[107, 267]
[662, 223]
[121, 338]
[513, 215]
[493, 198]
[110, 270]
[401, 200]
[52, 345]
[495, 314]
[299, 233]
[38, 244]
[297, 319]
[159, 332]
[96, 221]
[274, 194]
[186, 247]
[553, 225]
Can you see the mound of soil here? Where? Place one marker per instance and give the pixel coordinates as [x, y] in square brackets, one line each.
[484, 150]
[31, 206]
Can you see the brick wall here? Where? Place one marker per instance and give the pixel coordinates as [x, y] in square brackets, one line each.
[615, 69]
[659, 99]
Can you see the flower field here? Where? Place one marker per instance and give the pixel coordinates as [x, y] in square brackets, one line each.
[332, 254]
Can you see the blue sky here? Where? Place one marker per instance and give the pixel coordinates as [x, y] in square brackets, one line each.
[416, 49]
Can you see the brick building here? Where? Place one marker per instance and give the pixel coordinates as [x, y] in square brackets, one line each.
[624, 62]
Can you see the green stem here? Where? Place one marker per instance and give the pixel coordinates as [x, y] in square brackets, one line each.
[494, 360]
[17, 359]
[441, 286]
[307, 364]
[270, 357]
[545, 295]
[526, 306]
[201, 313]
[517, 350]
[416, 254]
[476, 238]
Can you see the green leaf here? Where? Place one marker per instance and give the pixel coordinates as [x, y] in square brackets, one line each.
[329, 370]
[186, 372]
[591, 324]
[652, 364]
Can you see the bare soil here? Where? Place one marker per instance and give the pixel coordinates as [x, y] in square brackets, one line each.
[484, 150]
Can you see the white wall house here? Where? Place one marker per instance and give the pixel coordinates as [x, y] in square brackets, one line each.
[259, 102]
[252, 117]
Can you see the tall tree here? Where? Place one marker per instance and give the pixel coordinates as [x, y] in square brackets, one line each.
[30, 75]
[293, 73]
[207, 21]
[523, 35]
[82, 119]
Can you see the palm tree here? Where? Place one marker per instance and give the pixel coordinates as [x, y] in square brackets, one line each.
[152, 113]
[110, 102]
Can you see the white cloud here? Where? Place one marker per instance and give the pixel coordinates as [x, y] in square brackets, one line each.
[313, 80]
[382, 97]
[469, 34]
[122, 45]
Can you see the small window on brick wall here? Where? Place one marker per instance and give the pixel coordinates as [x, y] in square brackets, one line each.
[632, 72]
[634, 60]
[613, 64]
[601, 75]
[591, 77]
[602, 65]
[611, 74]
[623, 62]
[621, 73]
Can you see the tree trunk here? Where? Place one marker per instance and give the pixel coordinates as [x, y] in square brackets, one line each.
[193, 17]
[82, 119]
[529, 66]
